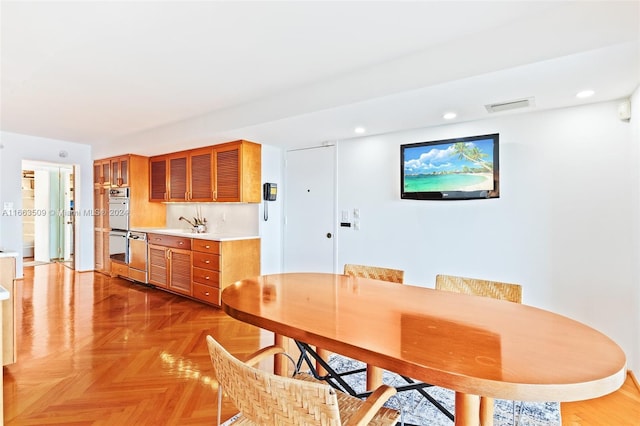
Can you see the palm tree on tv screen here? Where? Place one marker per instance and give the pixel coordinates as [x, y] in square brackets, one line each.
[473, 154]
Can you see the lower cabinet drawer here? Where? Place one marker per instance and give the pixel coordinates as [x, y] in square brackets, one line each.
[206, 293]
[119, 269]
[205, 246]
[206, 261]
[206, 277]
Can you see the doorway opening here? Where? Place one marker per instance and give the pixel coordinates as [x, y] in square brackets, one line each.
[48, 220]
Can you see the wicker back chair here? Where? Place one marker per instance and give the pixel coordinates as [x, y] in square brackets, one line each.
[494, 290]
[266, 399]
[476, 287]
[374, 374]
[375, 272]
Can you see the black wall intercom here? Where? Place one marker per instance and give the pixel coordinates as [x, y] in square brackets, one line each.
[269, 191]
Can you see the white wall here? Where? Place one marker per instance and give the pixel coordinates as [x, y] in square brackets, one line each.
[635, 226]
[562, 227]
[17, 147]
[271, 230]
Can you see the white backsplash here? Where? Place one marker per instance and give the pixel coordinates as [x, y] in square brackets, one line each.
[222, 218]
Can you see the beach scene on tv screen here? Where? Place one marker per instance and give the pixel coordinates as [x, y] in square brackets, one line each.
[455, 166]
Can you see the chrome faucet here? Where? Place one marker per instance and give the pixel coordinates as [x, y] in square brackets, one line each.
[186, 220]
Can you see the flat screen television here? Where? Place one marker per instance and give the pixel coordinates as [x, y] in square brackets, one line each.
[451, 169]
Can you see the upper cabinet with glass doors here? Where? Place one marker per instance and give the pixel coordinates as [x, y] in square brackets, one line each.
[120, 171]
[112, 172]
[102, 172]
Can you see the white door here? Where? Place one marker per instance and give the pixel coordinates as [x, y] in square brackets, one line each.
[310, 216]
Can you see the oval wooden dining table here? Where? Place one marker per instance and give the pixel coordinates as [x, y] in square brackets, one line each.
[473, 345]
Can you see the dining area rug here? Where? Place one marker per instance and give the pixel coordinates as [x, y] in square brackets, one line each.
[417, 410]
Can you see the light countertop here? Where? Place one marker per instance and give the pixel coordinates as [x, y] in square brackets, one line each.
[8, 254]
[203, 236]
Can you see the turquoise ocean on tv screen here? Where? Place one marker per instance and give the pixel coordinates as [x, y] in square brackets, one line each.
[451, 182]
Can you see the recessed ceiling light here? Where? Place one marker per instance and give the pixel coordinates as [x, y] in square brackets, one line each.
[585, 94]
[359, 129]
[449, 115]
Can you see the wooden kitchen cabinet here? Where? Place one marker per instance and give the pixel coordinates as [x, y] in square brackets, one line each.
[100, 207]
[206, 271]
[182, 176]
[201, 174]
[158, 265]
[101, 256]
[238, 171]
[170, 263]
[200, 268]
[218, 264]
[120, 171]
[158, 178]
[168, 177]
[177, 177]
[180, 271]
[102, 172]
[101, 229]
[8, 315]
[131, 171]
[7, 280]
[119, 269]
[229, 172]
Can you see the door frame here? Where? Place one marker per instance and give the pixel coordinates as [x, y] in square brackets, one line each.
[48, 167]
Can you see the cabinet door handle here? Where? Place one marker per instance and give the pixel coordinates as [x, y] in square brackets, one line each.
[206, 293]
[206, 278]
[207, 246]
[206, 261]
[180, 243]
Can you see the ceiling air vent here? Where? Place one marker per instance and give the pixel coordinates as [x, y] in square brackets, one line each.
[505, 106]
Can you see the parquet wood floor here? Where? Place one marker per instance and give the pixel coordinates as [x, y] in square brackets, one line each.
[94, 350]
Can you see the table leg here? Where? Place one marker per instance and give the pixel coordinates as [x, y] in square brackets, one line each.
[374, 377]
[467, 409]
[280, 364]
[486, 411]
[324, 354]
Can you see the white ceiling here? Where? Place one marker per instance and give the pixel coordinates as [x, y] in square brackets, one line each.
[112, 74]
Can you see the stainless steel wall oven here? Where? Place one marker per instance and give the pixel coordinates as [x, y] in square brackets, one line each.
[119, 223]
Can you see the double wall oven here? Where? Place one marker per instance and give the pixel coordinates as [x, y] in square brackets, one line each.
[119, 223]
[126, 246]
